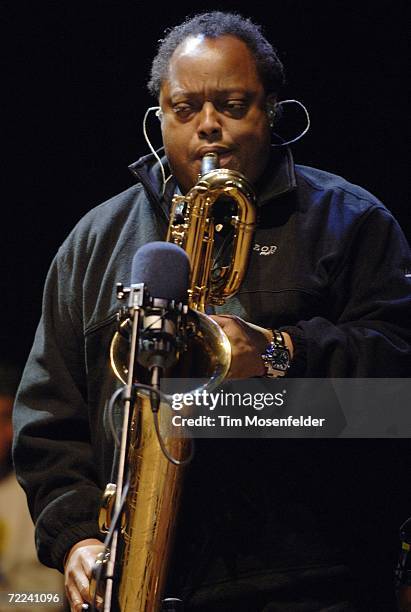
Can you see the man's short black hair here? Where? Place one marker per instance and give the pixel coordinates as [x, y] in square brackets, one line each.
[214, 25]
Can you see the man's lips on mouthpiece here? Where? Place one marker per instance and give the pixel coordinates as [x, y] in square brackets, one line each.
[224, 154]
[220, 151]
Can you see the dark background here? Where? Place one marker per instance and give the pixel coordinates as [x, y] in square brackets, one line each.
[75, 97]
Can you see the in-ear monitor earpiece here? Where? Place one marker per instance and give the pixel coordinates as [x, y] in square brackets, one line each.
[271, 112]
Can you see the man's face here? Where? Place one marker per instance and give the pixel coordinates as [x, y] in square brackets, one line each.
[213, 100]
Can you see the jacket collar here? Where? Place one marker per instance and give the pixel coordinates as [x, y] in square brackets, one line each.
[278, 179]
[147, 171]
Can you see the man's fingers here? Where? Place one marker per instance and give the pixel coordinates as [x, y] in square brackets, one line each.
[83, 585]
[74, 598]
[78, 586]
[78, 569]
[78, 592]
[88, 558]
[82, 582]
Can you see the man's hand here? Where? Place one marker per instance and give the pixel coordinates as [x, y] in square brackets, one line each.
[77, 572]
[247, 341]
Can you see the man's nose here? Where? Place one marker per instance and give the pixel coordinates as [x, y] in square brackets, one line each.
[209, 125]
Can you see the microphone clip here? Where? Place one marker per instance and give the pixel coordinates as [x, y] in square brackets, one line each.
[162, 327]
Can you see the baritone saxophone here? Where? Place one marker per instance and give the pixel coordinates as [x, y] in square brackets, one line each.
[150, 512]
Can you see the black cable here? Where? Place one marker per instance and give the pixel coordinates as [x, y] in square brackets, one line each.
[164, 449]
[162, 396]
[110, 410]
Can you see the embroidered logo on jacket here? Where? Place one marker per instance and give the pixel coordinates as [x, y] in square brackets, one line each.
[269, 249]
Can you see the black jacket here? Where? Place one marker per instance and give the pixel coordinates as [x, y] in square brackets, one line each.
[329, 264]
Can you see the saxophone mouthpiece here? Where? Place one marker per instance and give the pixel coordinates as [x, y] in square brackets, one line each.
[209, 163]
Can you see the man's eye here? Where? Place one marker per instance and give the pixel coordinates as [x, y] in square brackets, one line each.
[235, 108]
[235, 104]
[183, 111]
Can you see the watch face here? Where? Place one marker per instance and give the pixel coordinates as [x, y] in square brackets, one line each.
[277, 358]
[280, 359]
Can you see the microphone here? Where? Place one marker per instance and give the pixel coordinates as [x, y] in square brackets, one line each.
[164, 269]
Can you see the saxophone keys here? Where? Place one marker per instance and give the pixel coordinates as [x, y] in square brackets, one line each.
[107, 507]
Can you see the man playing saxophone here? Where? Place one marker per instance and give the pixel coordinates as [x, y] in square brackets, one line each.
[325, 295]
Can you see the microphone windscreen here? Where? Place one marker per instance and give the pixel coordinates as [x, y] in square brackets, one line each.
[165, 270]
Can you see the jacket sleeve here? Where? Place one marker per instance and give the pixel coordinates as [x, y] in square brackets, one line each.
[53, 454]
[367, 329]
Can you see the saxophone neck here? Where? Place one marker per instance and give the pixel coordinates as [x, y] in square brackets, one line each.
[209, 162]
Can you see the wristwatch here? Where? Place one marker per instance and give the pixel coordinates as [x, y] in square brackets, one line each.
[276, 356]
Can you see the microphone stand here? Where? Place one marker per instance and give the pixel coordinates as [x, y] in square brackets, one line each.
[136, 301]
[155, 352]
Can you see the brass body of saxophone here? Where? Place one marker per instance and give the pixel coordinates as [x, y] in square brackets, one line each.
[194, 231]
[155, 483]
